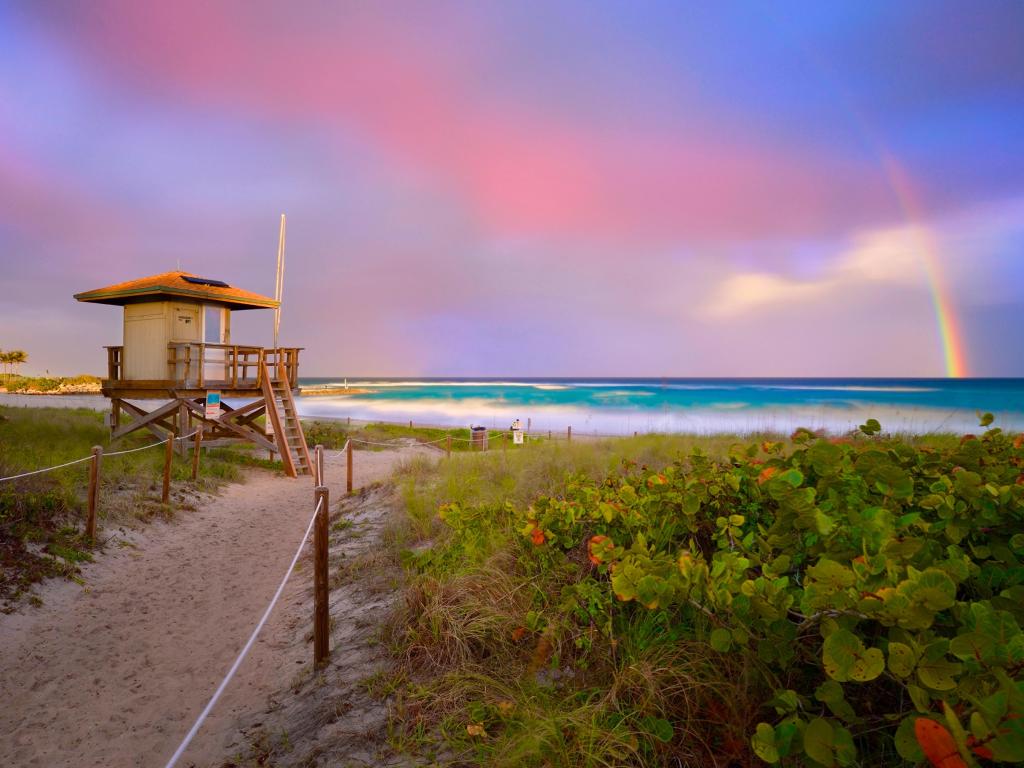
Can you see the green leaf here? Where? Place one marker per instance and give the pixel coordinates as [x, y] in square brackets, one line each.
[831, 573]
[920, 698]
[785, 701]
[793, 477]
[938, 674]
[845, 751]
[763, 742]
[830, 693]
[824, 457]
[984, 419]
[973, 646]
[819, 741]
[869, 666]
[845, 658]
[871, 427]
[901, 659]
[659, 728]
[721, 640]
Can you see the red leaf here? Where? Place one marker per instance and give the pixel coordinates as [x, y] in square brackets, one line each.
[595, 540]
[938, 744]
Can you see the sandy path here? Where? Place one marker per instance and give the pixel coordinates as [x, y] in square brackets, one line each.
[113, 674]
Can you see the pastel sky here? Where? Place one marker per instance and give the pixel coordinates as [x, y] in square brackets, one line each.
[527, 188]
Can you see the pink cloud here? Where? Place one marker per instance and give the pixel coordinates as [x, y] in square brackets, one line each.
[419, 96]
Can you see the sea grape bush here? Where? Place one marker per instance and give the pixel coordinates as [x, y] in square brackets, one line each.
[879, 585]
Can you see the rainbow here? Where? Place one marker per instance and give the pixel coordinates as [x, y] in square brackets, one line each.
[950, 334]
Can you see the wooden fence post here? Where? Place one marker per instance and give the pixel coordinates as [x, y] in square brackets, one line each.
[448, 448]
[504, 443]
[94, 489]
[410, 423]
[318, 452]
[348, 466]
[549, 435]
[568, 434]
[168, 458]
[321, 610]
[195, 454]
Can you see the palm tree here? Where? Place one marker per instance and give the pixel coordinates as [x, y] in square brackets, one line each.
[18, 357]
[5, 361]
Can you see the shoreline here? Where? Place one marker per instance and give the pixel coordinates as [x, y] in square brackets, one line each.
[610, 422]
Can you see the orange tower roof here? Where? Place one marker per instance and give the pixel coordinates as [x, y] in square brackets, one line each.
[178, 285]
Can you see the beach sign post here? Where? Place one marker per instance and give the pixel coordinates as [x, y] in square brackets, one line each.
[517, 432]
[212, 405]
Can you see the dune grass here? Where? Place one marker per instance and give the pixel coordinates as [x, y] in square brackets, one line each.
[333, 434]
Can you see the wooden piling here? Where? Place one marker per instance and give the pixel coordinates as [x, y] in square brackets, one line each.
[195, 453]
[348, 466]
[94, 490]
[568, 434]
[321, 610]
[165, 497]
[448, 447]
[410, 423]
[184, 422]
[504, 442]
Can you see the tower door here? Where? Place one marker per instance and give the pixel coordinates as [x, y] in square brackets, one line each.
[186, 323]
[187, 326]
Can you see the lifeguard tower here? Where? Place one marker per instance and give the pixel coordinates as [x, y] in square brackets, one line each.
[177, 349]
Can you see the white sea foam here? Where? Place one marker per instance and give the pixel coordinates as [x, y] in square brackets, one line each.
[736, 418]
[844, 388]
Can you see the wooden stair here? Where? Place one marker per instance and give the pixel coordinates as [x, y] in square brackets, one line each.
[291, 442]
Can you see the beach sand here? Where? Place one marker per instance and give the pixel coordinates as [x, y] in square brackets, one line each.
[113, 673]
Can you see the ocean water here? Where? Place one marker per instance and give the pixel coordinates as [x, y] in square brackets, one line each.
[622, 405]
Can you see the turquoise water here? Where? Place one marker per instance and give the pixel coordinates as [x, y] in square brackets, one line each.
[622, 406]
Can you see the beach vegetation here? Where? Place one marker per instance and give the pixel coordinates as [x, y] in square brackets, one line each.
[51, 384]
[813, 601]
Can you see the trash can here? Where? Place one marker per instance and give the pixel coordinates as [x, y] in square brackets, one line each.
[478, 438]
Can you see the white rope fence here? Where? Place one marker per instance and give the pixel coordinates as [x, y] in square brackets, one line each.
[245, 649]
[46, 469]
[88, 458]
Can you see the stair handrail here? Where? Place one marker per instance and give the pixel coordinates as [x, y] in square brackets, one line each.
[283, 374]
[280, 436]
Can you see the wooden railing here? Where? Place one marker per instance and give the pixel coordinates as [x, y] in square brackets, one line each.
[228, 366]
[114, 358]
[217, 366]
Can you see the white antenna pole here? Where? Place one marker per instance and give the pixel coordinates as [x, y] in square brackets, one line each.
[279, 284]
